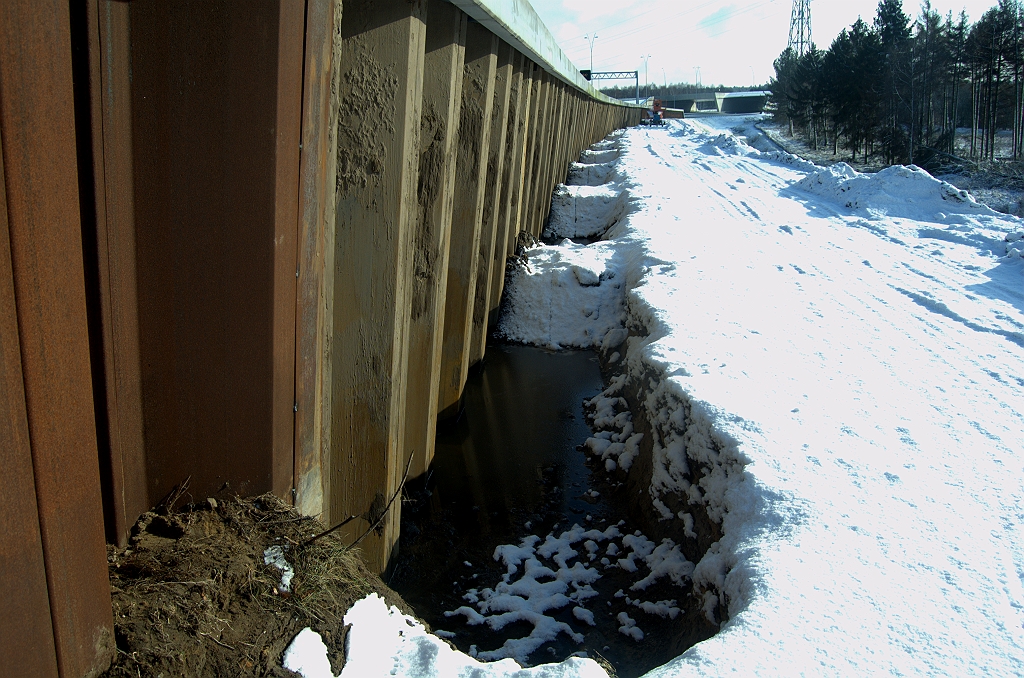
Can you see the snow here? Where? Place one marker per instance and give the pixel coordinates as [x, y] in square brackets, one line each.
[306, 655]
[571, 303]
[840, 354]
[613, 440]
[274, 556]
[830, 364]
[527, 599]
[629, 627]
[1015, 245]
[384, 642]
[584, 211]
[896, 191]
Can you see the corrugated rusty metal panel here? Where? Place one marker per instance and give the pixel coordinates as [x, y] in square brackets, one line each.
[108, 44]
[26, 632]
[215, 106]
[315, 189]
[290, 57]
[38, 132]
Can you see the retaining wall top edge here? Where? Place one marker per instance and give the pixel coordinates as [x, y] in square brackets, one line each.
[517, 23]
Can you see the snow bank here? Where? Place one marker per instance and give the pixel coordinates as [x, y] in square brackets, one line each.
[1015, 245]
[385, 642]
[584, 211]
[841, 394]
[725, 144]
[897, 191]
[565, 295]
[614, 440]
[583, 174]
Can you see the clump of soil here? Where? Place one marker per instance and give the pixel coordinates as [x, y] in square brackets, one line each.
[193, 597]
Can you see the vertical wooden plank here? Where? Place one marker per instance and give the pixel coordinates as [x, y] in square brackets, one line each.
[511, 174]
[119, 400]
[26, 632]
[556, 173]
[442, 101]
[471, 175]
[527, 114]
[41, 182]
[552, 165]
[540, 152]
[487, 273]
[215, 103]
[570, 114]
[325, 313]
[288, 224]
[378, 168]
[567, 140]
[536, 127]
[316, 189]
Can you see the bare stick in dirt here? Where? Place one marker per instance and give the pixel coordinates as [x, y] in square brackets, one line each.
[391, 501]
[348, 520]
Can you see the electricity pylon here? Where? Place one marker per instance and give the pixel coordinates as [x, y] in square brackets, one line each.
[800, 27]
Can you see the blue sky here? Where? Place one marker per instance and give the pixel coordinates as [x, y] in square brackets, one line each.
[733, 42]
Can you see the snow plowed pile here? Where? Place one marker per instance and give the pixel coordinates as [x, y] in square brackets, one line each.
[896, 191]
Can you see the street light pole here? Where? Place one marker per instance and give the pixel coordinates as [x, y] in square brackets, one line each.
[647, 84]
[591, 38]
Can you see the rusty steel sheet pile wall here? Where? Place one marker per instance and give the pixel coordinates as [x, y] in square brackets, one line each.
[250, 248]
[377, 213]
[442, 99]
[418, 274]
[55, 617]
[196, 117]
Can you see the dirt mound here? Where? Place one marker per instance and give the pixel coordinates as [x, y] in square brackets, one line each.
[192, 595]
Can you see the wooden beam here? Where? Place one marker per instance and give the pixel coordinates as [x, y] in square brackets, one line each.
[442, 102]
[378, 147]
[471, 177]
[487, 274]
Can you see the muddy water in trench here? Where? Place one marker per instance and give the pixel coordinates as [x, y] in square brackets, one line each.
[508, 468]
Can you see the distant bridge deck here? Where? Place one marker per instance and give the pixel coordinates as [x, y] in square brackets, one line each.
[722, 102]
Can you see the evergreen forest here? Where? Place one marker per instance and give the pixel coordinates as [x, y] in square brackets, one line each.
[896, 90]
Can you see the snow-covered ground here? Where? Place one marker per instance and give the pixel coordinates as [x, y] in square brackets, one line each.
[841, 355]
